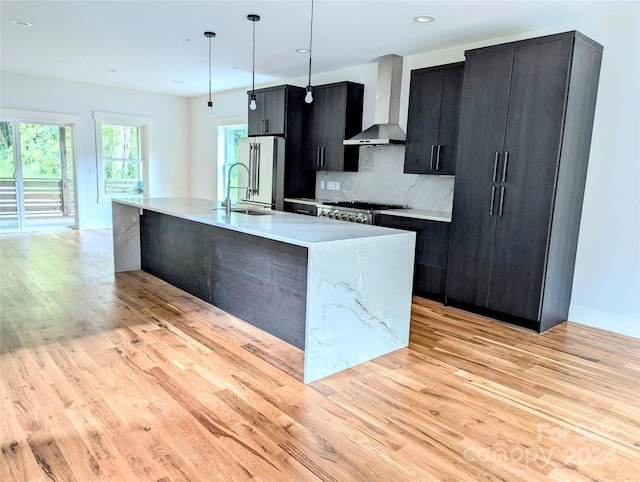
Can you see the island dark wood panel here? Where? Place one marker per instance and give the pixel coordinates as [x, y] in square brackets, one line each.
[261, 281]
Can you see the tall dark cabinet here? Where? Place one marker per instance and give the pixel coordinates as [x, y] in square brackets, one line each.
[432, 121]
[525, 132]
[280, 112]
[334, 115]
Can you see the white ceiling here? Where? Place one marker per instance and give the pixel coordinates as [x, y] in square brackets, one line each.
[152, 44]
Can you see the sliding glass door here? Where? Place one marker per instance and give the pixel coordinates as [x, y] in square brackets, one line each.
[36, 176]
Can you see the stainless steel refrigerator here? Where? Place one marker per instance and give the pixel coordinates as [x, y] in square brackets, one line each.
[263, 181]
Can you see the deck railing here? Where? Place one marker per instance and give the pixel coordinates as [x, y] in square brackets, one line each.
[42, 197]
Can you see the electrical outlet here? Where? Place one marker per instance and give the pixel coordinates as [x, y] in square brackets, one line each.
[331, 186]
[321, 184]
[337, 185]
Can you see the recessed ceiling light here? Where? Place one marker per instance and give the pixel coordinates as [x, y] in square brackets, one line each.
[303, 51]
[178, 82]
[111, 70]
[424, 18]
[236, 67]
[187, 40]
[21, 23]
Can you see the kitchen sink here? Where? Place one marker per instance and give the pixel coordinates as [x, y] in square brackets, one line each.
[249, 211]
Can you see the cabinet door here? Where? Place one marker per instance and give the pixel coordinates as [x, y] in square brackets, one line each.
[536, 112]
[314, 129]
[423, 121]
[471, 247]
[485, 98]
[520, 251]
[274, 112]
[449, 121]
[255, 118]
[333, 105]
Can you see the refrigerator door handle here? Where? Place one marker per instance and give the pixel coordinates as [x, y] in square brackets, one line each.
[256, 172]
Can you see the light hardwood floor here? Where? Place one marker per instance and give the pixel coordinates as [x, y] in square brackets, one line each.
[124, 377]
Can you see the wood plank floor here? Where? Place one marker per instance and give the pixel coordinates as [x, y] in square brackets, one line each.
[124, 378]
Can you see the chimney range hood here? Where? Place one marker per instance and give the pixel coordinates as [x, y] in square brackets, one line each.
[387, 110]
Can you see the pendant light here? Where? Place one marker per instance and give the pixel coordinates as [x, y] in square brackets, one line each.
[252, 100]
[309, 97]
[209, 35]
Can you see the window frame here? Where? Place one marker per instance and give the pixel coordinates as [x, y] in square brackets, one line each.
[222, 127]
[143, 124]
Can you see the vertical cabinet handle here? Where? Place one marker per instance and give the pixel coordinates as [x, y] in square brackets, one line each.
[433, 148]
[438, 157]
[493, 199]
[504, 166]
[266, 126]
[323, 151]
[250, 173]
[495, 166]
[318, 156]
[500, 209]
[262, 126]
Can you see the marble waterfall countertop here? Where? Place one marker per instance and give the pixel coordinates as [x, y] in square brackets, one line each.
[279, 226]
[359, 278]
[443, 216]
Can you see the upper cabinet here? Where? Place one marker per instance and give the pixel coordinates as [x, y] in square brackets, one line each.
[272, 110]
[334, 115]
[526, 120]
[432, 123]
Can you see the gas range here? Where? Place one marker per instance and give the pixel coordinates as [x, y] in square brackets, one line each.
[353, 211]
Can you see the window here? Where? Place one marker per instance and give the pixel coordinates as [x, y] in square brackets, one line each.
[122, 153]
[228, 137]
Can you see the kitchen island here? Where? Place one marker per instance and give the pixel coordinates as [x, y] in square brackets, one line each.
[339, 291]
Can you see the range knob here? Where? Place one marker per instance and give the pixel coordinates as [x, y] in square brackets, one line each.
[352, 218]
[344, 216]
[362, 220]
[323, 214]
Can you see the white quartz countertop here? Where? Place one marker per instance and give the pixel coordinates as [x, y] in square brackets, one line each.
[409, 213]
[419, 213]
[280, 226]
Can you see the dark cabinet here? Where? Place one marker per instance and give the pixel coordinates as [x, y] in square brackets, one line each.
[283, 109]
[526, 120]
[269, 118]
[432, 249]
[334, 115]
[300, 208]
[433, 117]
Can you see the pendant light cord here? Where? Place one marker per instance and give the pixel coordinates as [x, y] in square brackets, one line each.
[209, 69]
[253, 67]
[310, 41]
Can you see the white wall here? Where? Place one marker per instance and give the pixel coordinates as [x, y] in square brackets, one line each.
[606, 288]
[169, 166]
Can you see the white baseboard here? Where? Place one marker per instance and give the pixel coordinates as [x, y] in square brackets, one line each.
[622, 325]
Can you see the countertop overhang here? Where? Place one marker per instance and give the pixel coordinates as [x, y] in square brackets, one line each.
[279, 226]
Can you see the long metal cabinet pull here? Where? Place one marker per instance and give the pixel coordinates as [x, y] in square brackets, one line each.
[318, 156]
[433, 148]
[266, 126]
[495, 166]
[323, 150]
[493, 199]
[438, 157]
[501, 201]
[504, 166]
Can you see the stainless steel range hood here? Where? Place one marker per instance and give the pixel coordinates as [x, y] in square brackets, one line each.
[387, 111]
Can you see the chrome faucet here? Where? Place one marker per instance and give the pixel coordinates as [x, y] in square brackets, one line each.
[227, 201]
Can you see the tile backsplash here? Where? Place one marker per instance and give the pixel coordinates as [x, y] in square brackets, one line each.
[380, 179]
